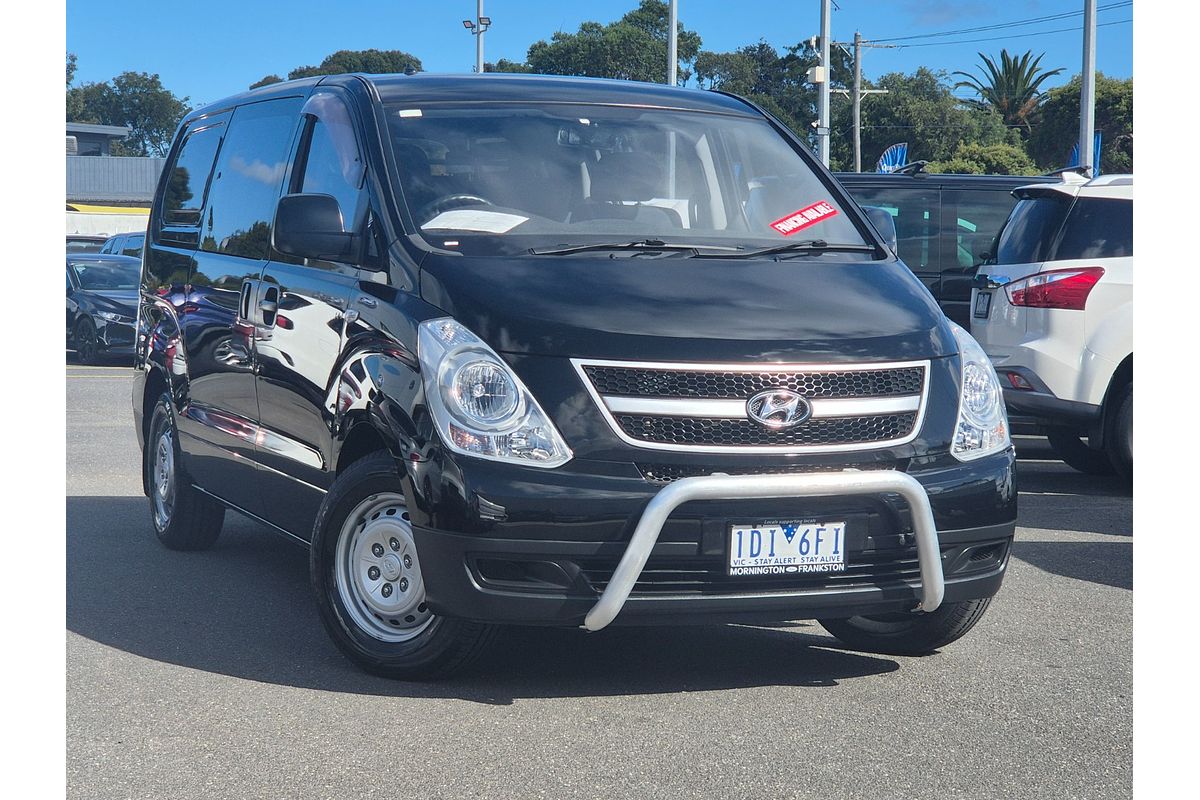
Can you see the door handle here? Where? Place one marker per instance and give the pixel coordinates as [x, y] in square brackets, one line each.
[268, 306]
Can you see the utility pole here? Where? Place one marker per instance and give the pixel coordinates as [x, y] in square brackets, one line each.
[477, 26]
[673, 45]
[1087, 92]
[823, 93]
[857, 93]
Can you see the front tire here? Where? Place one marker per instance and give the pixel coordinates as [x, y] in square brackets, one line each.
[366, 574]
[909, 634]
[87, 342]
[183, 517]
[1076, 453]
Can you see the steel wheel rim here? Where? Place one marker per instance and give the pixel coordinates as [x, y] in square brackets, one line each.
[162, 479]
[377, 572]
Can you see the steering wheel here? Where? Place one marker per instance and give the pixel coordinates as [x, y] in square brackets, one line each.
[447, 202]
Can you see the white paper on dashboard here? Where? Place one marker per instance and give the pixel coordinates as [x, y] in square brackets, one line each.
[474, 219]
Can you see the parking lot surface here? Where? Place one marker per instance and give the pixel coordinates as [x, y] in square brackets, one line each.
[207, 675]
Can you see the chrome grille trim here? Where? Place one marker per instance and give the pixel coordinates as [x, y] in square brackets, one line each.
[736, 409]
[611, 406]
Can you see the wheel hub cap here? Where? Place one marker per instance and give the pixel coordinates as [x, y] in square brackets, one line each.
[162, 475]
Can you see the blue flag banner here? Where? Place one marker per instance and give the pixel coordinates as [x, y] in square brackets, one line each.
[894, 157]
[1073, 161]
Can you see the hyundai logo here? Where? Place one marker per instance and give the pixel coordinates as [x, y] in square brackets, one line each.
[778, 408]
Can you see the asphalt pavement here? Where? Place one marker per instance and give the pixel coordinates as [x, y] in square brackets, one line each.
[208, 675]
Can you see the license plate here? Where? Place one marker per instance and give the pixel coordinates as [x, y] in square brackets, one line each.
[779, 548]
[983, 305]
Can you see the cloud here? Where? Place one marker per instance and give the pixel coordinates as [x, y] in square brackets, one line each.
[270, 174]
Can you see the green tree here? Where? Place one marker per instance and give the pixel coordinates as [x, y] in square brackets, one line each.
[373, 62]
[919, 109]
[632, 48]
[137, 100]
[998, 158]
[776, 81]
[1011, 89]
[504, 65]
[1057, 127]
[266, 80]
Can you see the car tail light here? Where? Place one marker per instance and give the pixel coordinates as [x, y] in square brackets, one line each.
[1059, 288]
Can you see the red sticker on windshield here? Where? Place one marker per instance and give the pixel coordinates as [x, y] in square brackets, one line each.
[799, 220]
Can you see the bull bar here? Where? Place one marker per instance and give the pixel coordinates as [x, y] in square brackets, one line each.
[720, 486]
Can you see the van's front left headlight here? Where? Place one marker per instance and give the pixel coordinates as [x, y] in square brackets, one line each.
[479, 405]
[982, 425]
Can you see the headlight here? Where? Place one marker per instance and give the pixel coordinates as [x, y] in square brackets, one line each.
[479, 406]
[982, 425]
[111, 317]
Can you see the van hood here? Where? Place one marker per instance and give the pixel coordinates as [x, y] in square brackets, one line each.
[689, 309]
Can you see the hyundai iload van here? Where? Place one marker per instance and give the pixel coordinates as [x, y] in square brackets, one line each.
[542, 351]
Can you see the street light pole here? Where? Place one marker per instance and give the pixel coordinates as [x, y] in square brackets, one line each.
[477, 26]
[672, 44]
[1087, 92]
[479, 38]
[857, 102]
[823, 94]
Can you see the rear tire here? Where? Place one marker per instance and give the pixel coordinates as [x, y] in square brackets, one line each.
[909, 634]
[366, 574]
[184, 518]
[1072, 449]
[1120, 435]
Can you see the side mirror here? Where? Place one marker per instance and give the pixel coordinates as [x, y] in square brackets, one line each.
[883, 221]
[310, 226]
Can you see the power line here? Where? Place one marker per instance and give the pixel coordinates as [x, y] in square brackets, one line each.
[1000, 25]
[1003, 38]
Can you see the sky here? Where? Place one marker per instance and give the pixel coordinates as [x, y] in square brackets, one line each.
[206, 56]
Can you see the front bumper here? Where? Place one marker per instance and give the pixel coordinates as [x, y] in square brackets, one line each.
[115, 336]
[923, 536]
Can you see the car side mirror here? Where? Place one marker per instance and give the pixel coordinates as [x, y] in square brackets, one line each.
[883, 221]
[310, 226]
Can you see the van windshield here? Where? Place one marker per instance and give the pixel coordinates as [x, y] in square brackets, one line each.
[509, 178]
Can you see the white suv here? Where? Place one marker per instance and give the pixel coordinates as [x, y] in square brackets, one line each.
[1055, 315]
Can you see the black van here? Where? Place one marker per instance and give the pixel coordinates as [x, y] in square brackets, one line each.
[945, 224]
[510, 349]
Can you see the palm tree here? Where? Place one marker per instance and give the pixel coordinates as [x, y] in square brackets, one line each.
[1012, 89]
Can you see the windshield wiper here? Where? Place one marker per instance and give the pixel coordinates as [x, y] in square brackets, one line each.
[640, 244]
[805, 246]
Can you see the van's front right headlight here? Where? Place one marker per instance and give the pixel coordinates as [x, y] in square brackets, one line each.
[982, 425]
[479, 405]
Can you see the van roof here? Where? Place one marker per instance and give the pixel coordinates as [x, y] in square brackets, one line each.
[502, 87]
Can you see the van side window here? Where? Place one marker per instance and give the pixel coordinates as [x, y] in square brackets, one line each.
[978, 217]
[184, 195]
[917, 216]
[249, 176]
[332, 163]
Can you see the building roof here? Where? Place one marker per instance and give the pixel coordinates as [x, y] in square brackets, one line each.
[115, 131]
[112, 179]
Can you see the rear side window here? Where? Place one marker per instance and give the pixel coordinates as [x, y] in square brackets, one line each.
[1029, 234]
[916, 214]
[1097, 228]
[132, 246]
[184, 195]
[246, 185]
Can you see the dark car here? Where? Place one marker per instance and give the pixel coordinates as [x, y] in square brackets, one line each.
[945, 224]
[102, 300]
[508, 349]
[83, 243]
[125, 244]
